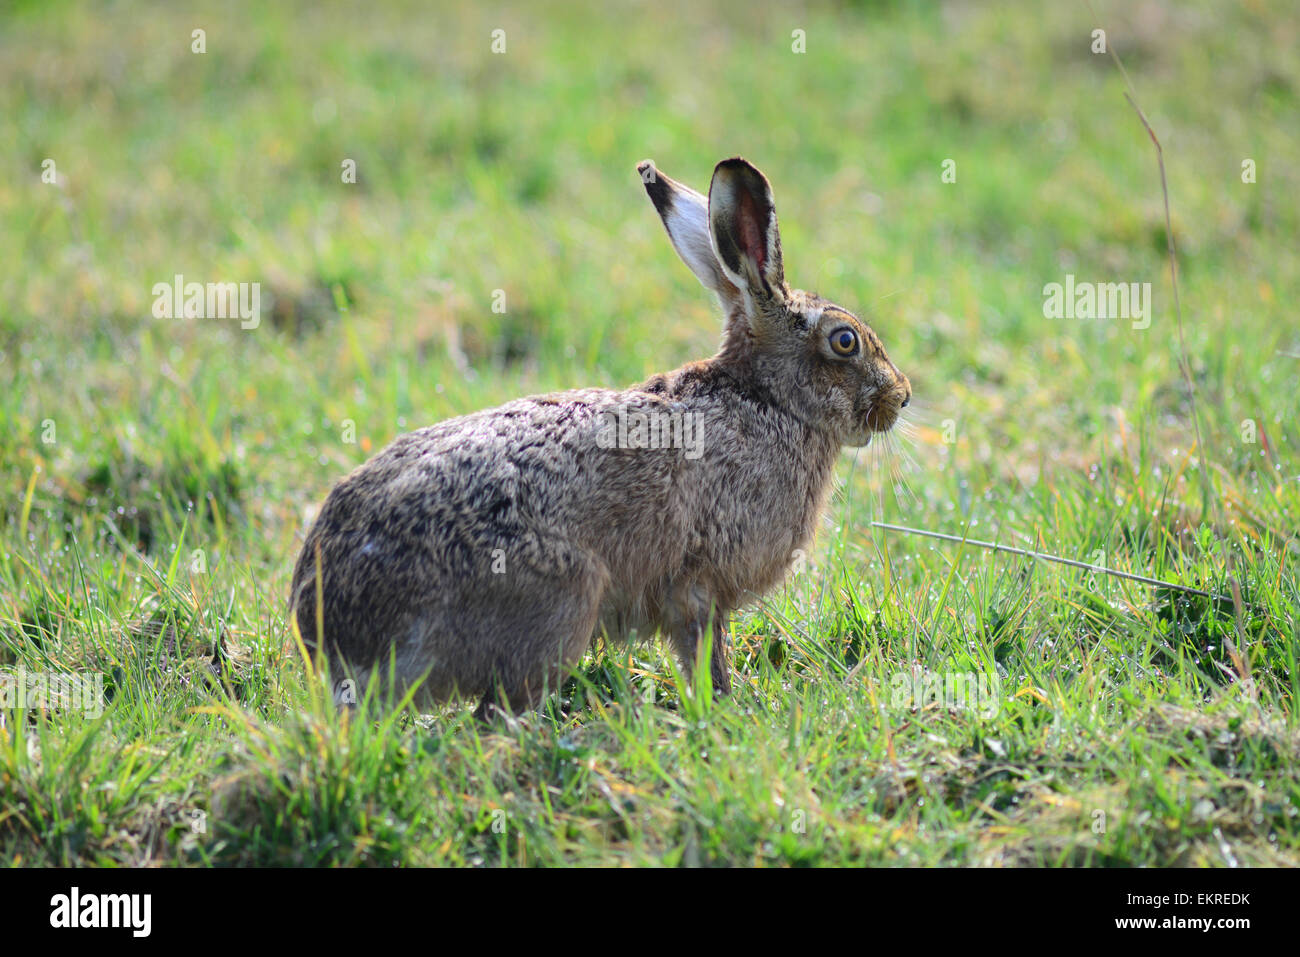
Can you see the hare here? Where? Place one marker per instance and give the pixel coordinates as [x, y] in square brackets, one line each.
[479, 556]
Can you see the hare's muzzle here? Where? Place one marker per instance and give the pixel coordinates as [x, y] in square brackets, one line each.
[886, 405]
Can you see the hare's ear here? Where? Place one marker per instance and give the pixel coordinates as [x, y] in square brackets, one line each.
[746, 241]
[686, 218]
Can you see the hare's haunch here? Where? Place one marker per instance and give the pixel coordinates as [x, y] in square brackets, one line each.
[479, 556]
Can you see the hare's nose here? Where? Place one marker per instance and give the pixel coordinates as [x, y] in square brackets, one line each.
[901, 381]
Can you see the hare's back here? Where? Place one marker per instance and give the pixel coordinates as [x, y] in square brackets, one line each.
[438, 501]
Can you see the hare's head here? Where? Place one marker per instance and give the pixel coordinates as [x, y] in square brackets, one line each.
[809, 355]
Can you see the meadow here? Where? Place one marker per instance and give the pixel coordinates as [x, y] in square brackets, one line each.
[935, 166]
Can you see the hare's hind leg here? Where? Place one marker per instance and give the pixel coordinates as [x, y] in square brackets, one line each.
[542, 628]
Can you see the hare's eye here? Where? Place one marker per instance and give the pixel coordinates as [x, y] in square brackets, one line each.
[844, 342]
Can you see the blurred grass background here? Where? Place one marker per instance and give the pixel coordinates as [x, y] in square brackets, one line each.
[159, 472]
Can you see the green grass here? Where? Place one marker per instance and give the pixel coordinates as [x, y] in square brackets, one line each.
[159, 473]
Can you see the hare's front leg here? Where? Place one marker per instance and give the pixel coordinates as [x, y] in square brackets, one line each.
[689, 623]
[720, 665]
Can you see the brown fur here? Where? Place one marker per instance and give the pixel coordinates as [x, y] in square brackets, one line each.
[480, 555]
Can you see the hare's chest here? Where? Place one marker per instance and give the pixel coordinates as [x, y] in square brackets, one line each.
[754, 535]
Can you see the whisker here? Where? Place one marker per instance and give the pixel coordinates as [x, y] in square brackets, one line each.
[1048, 557]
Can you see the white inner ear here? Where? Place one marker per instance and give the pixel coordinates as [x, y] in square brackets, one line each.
[688, 228]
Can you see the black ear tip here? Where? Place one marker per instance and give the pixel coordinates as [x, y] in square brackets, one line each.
[737, 164]
[656, 185]
[741, 173]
